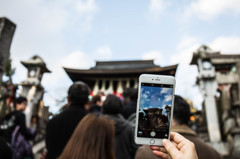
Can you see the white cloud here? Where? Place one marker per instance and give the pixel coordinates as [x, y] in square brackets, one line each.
[184, 55]
[88, 6]
[54, 17]
[166, 91]
[77, 59]
[226, 45]
[186, 42]
[154, 55]
[168, 98]
[103, 53]
[186, 73]
[156, 7]
[207, 9]
[86, 11]
[40, 21]
[58, 82]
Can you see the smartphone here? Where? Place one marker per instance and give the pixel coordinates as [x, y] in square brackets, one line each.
[154, 109]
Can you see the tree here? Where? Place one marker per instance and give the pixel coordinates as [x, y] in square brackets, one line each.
[9, 71]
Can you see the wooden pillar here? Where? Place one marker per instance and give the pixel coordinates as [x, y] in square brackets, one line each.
[103, 89]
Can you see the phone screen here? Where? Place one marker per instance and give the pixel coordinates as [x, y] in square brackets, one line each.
[154, 110]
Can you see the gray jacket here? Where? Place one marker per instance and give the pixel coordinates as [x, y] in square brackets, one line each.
[124, 145]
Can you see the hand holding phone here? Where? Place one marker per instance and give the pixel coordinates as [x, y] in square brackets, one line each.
[154, 109]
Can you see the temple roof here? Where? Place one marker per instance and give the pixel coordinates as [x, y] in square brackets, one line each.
[116, 69]
[119, 65]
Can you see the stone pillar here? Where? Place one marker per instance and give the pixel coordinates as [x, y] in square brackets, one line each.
[34, 94]
[225, 98]
[211, 110]
[96, 87]
[238, 72]
[119, 87]
[7, 29]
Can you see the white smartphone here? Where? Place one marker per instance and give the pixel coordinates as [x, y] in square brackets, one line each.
[154, 109]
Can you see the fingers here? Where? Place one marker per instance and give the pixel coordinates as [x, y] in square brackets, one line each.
[181, 142]
[171, 148]
[159, 148]
[154, 147]
[177, 138]
[160, 151]
[161, 154]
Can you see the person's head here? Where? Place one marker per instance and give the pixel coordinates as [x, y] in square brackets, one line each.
[21, 103]
[181, 111]
[112, 105]
[130, 94]
[97, 99]
[92, 139]
[34, 119]
[78, 93]
[126, 95]
[134, 94]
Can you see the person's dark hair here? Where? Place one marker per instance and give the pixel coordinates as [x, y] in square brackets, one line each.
[126, 92]
[132, 93]
[19, 100]
[78, 93]
[92, 139]
[112, 105]
[96, 98]
[181, 111]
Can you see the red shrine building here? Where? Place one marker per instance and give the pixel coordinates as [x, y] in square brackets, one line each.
[115, 76]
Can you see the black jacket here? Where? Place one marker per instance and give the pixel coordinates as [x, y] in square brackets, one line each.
[95, 109]
[9, 124]
[124, 145]
[60, 129]
[129, 109]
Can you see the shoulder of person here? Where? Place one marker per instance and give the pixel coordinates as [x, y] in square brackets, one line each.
[144, 152]
[204, 148]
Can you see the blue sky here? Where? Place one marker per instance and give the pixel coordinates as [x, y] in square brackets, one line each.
[76, 33]
[155, 97]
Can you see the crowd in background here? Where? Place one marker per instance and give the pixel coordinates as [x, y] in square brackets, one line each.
[99, 128]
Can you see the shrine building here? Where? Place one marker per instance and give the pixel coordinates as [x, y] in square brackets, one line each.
[115, 76]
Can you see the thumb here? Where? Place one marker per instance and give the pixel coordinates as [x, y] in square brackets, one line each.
[171, 148]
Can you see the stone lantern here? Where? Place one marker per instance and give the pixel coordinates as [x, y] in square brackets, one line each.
[208, 86]
[31, 87]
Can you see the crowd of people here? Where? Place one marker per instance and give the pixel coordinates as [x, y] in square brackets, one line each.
[103, 129]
